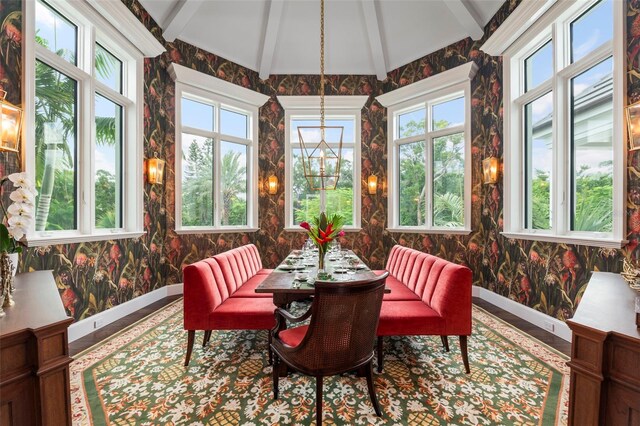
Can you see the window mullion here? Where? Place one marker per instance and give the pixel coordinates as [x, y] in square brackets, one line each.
[560, 137]
[217, 172]
[87, 142]
[428, 192]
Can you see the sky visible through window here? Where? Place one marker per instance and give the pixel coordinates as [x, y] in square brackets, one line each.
[58, 33]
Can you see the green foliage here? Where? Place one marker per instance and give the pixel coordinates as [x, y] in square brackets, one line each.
[105, 200]
[540, 207]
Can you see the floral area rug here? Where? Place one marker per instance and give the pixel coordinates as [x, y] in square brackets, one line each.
[137, 377]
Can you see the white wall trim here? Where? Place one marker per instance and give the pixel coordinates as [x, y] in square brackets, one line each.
[330, 102]
[519, 21]
[87, 326]
[215, 85]
[537, 318]
[129, 26]
[438, 82]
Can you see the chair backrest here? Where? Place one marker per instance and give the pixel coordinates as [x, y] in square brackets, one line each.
[344, 320]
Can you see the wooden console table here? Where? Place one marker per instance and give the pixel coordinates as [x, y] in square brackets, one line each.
[34, 355]
[605, 355]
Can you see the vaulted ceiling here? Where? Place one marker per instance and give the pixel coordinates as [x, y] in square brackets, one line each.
[283, 36]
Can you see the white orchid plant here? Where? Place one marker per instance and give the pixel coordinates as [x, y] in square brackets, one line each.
[20, 214]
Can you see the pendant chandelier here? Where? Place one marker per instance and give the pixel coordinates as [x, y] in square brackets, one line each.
[321, 146]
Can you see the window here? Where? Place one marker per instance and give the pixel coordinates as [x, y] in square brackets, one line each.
[301, 202]
[84, 147]
[429, 154]
[216, 164]
[564, 157]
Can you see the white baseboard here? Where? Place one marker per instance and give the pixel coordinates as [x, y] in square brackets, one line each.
[87, 326]
[536, 318]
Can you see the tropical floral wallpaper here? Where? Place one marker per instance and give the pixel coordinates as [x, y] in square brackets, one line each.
[95, 276]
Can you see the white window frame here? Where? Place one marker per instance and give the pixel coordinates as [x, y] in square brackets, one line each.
[336, 107]
[554, 24]
[210, 90]
[119, 32]
[440, 88]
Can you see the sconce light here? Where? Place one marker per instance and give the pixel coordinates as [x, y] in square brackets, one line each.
[372, 184]
[633, 125]
[155, 170]
[490, 170]
[10, 122]
[272, 184]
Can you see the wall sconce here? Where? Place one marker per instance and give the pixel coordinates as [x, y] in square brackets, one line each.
[490, 170]
[10, 123]
[372, 184]
[155, 170]
[272, 184]
[633, 125]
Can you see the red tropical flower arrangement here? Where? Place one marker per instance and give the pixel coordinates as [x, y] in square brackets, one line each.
[322, 230]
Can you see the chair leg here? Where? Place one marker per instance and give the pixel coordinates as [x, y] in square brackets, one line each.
[372, 391]
[465, 355]
[319, 400]
[276, 374]
[206, 337]
[445, 342]
[380, 355]
[191, 336]
[269, 337]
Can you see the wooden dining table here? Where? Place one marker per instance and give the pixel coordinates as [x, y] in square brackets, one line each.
[285, 289]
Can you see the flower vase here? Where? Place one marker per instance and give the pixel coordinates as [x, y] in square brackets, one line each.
[6, 280]
[321, 254]
[14, 258]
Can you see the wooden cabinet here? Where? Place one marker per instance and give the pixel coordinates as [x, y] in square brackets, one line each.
[605, 355]
[34, 355]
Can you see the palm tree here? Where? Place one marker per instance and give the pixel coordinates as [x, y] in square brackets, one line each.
[233, 182]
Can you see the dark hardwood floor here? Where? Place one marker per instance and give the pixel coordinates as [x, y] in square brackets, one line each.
[110, 329]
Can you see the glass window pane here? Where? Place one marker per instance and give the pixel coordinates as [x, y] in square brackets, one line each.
[233, 184]
[197, 180]
[55, 32]
[411, 123]
[306, 203]
[332, 135]
[233, 123]
[341, 200]
[56, 174]
[412, 184]
[448, 114]
[538, 161]
[108, 164]
[108, 69]
[197, 115]
[590, 30]
[538, 67]
[448, 181]
[592, 148]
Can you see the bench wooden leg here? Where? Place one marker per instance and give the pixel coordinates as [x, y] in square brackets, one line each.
[465, 355]
[205, 339]
[380, 354]
[445, 342]
[191, 337]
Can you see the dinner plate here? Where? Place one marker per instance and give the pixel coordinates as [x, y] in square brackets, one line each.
[358, 266]
[340, 270]
[286, 267]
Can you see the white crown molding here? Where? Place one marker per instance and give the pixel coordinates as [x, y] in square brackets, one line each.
[184, 75]
[330, 102]
[457, 75]
[519, 21]
[129, 26]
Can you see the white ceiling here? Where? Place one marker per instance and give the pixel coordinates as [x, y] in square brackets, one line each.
[283, 36]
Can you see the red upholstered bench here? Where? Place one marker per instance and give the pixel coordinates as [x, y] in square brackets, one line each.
[429, 296]
[219, 295]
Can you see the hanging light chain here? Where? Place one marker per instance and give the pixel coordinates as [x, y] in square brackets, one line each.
[322, 68]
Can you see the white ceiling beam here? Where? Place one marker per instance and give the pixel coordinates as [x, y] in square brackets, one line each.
[179, 18]
[270, 37]
[467, 17]
[375, 40]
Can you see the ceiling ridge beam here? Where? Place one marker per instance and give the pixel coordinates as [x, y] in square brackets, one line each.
[179, 18]
[467, 17]
[270, 37]
[375, 39]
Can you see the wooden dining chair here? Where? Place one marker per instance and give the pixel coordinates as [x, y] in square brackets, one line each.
[339, 338]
